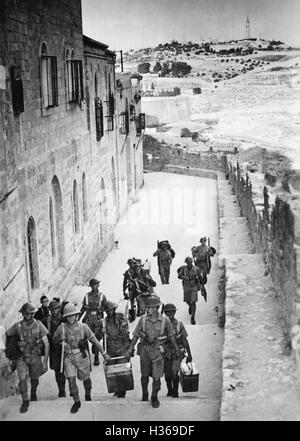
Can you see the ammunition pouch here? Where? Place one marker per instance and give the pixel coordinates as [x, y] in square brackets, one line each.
[83, 347]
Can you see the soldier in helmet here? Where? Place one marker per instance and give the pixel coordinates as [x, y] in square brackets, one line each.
[144, 285]
[165, 256]
[171, 358]
[93, 307]
[115, 333]
[202, 255]
[74, 336]
[153, 329]
[192, 282]
[129, 285]
[32, 342]
[51, 323]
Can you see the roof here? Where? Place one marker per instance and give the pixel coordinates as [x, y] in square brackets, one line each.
[94, 43]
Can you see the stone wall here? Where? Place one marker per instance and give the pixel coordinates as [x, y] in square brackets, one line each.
[157, 155]
[274, 235]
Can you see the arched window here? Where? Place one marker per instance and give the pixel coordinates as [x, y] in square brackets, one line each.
[58, 222]
[48, 78]
[84, 198]
[52, 228]
[75, 207]
[32, 254]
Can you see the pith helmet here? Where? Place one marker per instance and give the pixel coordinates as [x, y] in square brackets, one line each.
[170, 307]
[152, 301]
[94, 282]
[27, 308]
[54, 304]
[188, 259]
[109, 306]
[71, 310]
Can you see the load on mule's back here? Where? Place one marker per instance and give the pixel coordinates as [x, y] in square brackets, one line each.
[165, 254]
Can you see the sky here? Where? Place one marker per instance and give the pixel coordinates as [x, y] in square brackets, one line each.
[134, 24]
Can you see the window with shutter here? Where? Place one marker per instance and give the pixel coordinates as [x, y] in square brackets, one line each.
[16, 90]
[132, 112]
[124, 123]
[110, 113]
[75, 81]
[99, 119]
[49, 81]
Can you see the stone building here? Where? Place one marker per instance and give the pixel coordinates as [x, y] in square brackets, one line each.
[70, 152]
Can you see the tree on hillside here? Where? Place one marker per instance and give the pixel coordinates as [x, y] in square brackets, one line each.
[143, 68]
[180, 69]
[157, 67]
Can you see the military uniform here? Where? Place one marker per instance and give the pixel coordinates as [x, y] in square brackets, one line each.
[29, 364]
[153, 329]
[165, 261]
[76, 357]
[52, 323]
[115, 333]
[201, 256]
[129, 284]
[191, 281]
[144, 285]
[93, 305]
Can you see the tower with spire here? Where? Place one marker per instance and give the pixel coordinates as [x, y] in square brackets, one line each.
[248, 28]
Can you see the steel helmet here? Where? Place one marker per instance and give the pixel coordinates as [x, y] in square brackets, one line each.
[152, 301]
[109, 306]
[94, 282]
[27, 308]
[71, 310]
[54, 304]
[203, 239]
[170, 307]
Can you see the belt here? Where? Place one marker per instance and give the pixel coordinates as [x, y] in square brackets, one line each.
[73, 351]
[93, 312]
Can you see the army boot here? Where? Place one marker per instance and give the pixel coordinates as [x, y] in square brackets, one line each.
[34, 385]
[76, 406]
[24, 406]
[145, 381]
[193, 322]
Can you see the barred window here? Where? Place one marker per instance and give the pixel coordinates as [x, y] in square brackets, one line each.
[140, 124]
[75, 81]
[49, 81]
[99, 119]
[124, 123]
[110, 111]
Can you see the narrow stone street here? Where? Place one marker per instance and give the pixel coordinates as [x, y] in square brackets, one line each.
[181, 209]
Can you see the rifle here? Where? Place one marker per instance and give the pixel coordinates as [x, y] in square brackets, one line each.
[158, 258]
[202, 287]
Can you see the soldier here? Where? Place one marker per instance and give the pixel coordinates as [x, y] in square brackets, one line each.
[51, 323]
[115, 333]
[93, 305]
[171, 359]
[43, 310]
[32, 342]
[202, 254]
[74, 336]
[129, 284]
[144, 287]
[192, 282]
[153, 329]
[164, 258]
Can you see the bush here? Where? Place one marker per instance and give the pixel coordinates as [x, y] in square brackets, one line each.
[185, 133]
[196, 90]
[180, 68]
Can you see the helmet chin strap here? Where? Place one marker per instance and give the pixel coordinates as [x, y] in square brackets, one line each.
[28, 319]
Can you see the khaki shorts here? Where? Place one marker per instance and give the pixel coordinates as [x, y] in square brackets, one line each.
[152, 361]
[76, 364]
[32, 368]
